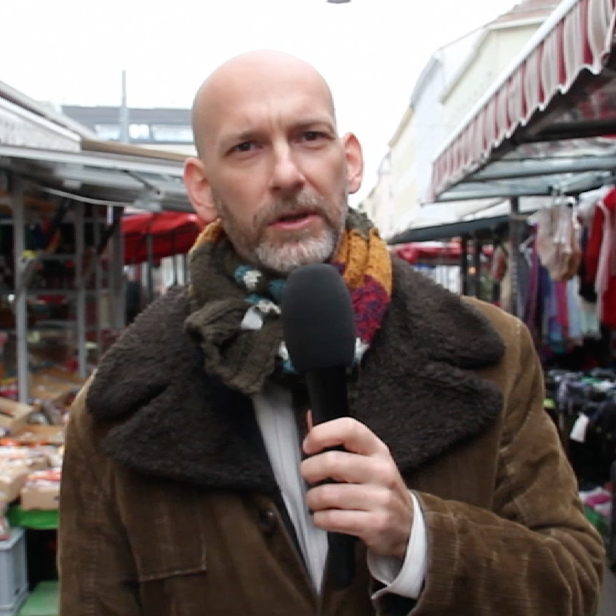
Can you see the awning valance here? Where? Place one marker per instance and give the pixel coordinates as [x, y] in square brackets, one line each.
[171, 233]
[526, 107]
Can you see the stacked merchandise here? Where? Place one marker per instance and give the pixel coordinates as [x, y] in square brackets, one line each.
[31, 452]
[30, 465]
[584, 406]
[30, 470]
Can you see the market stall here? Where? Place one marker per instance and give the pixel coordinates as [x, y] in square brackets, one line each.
[63, 198]
[548, 127]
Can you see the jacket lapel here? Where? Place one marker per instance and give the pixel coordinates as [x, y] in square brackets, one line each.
[170, 418]
[417, 389]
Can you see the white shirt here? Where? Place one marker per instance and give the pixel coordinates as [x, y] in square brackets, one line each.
[276, 419]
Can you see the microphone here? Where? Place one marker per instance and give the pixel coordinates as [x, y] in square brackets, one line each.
[319, 332]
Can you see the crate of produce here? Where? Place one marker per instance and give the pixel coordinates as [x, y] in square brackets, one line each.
[13, 573]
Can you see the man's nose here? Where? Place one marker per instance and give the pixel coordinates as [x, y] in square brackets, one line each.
[287, 177]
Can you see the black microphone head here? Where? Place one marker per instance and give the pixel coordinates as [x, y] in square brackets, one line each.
[317, 319]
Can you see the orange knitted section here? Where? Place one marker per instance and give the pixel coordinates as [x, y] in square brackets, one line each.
[365, 258]
[379, 262]
[212, 233]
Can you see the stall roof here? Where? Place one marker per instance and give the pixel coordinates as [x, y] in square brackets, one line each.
[479, 227]
[10, 97]
[549, 124]
[64, 158]
[103, 172]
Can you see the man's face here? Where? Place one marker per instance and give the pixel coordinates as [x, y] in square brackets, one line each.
[277, 172]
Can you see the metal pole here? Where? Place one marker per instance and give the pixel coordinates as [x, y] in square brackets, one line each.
[185, 272]
[464, 266]
[124, 112]
[21, 299]
[150, 254]
[176, 279]
[82, 353]
[477, 266]
[98, 282]
[514, 238]
[116, 274]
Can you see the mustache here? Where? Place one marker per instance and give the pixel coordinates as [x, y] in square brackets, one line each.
[281, 207]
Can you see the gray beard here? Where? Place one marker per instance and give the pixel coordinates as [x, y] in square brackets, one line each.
[284, 258]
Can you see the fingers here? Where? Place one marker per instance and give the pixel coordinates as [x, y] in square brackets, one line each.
[350, 497]
[371, 500]
[348, 467]
[385, 530]
[346, 431]
[356, 523]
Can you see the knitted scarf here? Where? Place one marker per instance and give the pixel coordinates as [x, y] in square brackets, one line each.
[235, 307]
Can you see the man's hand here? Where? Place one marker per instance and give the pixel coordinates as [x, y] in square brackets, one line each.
[371, 501]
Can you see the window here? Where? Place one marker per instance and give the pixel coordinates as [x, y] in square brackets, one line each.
[172, 133]
[108, 131]
[139, 131]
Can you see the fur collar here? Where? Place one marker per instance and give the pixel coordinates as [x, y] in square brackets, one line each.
[417, 389]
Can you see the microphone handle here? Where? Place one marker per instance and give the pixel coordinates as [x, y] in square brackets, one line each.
[327, 390]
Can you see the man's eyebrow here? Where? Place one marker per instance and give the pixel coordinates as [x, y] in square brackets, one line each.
[314, 123]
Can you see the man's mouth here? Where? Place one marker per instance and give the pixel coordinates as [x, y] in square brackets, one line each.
[294, 221]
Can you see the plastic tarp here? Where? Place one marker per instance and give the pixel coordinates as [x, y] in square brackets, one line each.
[171, 233]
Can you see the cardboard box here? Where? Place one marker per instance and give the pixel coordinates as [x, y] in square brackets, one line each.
[38, 460]
[43, 498]
[46, 388]
[42, 491]
[14, 415]
[33, 435]
[62, 375]
[12, 481]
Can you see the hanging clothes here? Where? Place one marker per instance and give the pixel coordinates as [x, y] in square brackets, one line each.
[599, 258]
[558, 241]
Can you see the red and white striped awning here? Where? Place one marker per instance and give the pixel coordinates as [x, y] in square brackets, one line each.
[579, 36]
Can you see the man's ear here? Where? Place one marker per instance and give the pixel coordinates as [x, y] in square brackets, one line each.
[199, 190]
[354, 161]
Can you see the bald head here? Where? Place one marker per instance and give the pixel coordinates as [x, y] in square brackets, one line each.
[254, 78]
[271, 163]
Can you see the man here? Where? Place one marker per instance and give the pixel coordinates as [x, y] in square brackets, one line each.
[192, 483]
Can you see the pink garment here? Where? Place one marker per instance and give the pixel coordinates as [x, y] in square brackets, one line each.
[600, 256]
[604, 264]
[563, 307]
[597, 499]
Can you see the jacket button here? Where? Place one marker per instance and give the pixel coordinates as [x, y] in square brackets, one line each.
[268, 521]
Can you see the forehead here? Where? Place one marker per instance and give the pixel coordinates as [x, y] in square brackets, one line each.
[267, 102]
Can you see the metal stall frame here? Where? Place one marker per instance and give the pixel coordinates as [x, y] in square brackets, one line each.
[97, 178]
[23, 267]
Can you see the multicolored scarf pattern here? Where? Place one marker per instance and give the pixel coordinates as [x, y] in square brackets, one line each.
[252, 316]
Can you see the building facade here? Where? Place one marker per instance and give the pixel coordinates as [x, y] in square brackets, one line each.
[159, 128]
[449, 87]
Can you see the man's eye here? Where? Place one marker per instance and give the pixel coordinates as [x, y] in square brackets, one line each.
[312, 135]
[246, 146]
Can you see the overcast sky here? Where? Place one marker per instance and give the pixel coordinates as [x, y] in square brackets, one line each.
[371, 51]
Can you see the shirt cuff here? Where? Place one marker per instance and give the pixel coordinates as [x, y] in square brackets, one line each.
[404, 578]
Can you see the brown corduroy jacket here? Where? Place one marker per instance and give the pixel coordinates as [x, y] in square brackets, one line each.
[169, 506]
